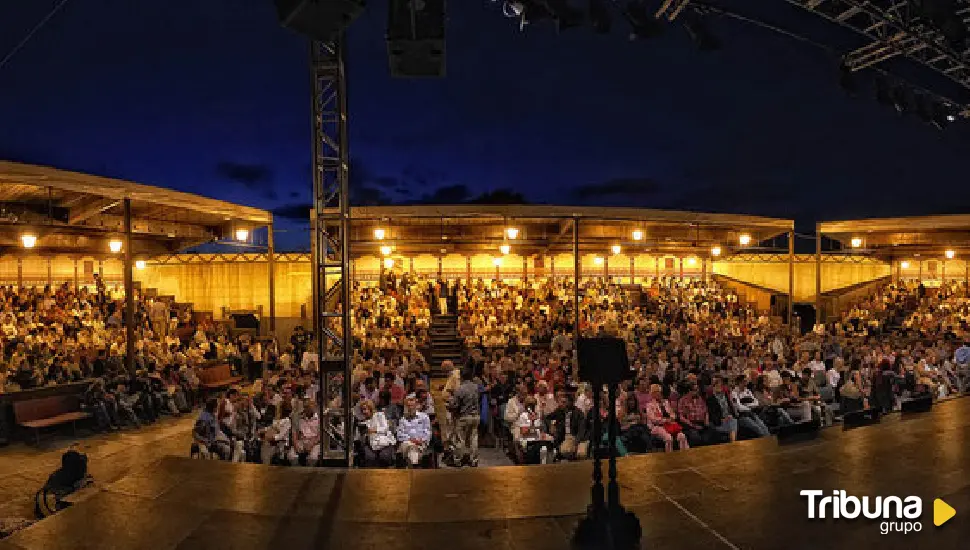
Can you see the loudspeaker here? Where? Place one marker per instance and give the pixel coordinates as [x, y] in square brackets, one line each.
[322, 20]
[245, 320]
[416, 38]
[857, 419]
[918, 405]
[799, 431]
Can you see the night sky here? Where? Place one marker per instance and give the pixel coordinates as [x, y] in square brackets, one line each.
[212, 97]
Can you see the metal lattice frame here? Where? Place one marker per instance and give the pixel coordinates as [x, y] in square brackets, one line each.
[331, 250]
[895, 28]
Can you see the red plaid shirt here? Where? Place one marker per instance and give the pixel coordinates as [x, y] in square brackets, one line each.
[692, 409]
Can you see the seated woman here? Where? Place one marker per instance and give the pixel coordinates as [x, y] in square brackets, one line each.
[379, 441]
[662, 420]
[529, 435]
[206, 435]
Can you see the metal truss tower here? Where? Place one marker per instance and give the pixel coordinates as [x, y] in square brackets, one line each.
[895, 28]
[331, 249]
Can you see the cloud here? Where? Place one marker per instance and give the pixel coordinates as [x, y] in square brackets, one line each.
[368, 196]
[386, 182]
[295, 194]
[257, 178]
[500, 196]
[617, 188]
[449, 194]
[294, 212]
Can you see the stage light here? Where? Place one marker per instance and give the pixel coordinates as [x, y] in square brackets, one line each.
[616, 249]
[505, 249]
[512, 232]
[904, 264]
[950, 254]
[115, 246]
[691, 262]
[598, 260]
[951, 118]
[716, 251]
[856, 242]
[497, 262]
[744, 239]
[385, 250]
[242, 235]
[388, 263]
[379, 234]
[28, 240]
[637, 235]
[140, 264]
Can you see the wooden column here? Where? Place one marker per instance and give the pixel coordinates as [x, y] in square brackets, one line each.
[76, 285]
[20, 273]
[440, 276]
[606, 268]
[525, 268]
[791, 278]
[818, 272]
[576, 275]
[50, 271]
[681, 260]
[129, 293]
[411, 265]
[552, 265]
[920, 271]
[657, 263]
[468, 269]
[271, 255]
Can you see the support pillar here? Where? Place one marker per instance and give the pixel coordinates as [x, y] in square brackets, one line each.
[272, 278]
[606, 268]
[681, 260]
[129, 294]
[440, 276]
[20, 273]
[633, 270]
[76, 285]
[525, 268]
[791, 278]
[576, 274]
[411, 265]
[818, 273]
[657, 264]
[552, 265]
[920, 270]
[50, 271]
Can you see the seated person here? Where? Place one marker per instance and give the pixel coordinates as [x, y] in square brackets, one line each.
[567, 426]
[306, 437]
[692, 409]
[529, 434]
[413, 432]
[379, 440]
[744, 404]
[721, 411]
[207, 435]
[662, 420]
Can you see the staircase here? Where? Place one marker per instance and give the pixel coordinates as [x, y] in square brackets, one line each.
[445, 343]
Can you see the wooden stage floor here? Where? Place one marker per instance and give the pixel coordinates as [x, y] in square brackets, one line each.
[744, 495]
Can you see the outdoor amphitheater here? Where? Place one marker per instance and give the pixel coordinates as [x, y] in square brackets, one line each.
[413, 379]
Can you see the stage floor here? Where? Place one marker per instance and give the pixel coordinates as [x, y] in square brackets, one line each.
[744, 495]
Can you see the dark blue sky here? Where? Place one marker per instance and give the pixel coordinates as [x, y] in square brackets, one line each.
[212, 97]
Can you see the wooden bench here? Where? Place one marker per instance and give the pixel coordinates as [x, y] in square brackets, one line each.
[45, 412]
[217, 377]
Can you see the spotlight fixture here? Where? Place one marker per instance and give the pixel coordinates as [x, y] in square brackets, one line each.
[115, 246]
[637, 235]
[505, 249]
[497, 262]
[904, 264]
[379, 234]
[512, 233]
[140, 264]
[715, 250]
[744, 239]
[29, 240]
[386, 250]
[950, 254]
[951, 118]
[388, 263]
[242, 235]
[856, 242]
[598, 260]
[692, 261]
[616, 249]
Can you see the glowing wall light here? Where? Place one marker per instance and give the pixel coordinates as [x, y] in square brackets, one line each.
[28, 240]
[856, 242]
[744, 239]
[512, 232]
[115, 246]
[715, 251]
[505, 249]
[242, 235]
[385, 250]
[950, 254]
[598, 260]
[637, 235]
[497, 262]
[379, 234]
[140, 264]
[616, 249]
[904, 264]
[388, 263]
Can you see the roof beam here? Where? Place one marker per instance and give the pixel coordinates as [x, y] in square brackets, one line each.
[92, 207]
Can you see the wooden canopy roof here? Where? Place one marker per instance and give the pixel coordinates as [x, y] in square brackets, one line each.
[78, 212]
[911, 234]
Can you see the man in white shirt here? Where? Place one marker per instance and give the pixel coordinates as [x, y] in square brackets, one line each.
[307, 437]
[413, 432]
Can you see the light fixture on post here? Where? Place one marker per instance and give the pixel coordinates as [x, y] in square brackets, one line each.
[29, 240]
[115, 246]
[505, 249]
[598, 260]
[379, 234]
[616, 249]
[386, 250]
[904, 264]
[950, 254]
[637, 235]
[692, 261]
[715, 250]
[140, 264]
[497, 262]
[242, 235]
[388, 263]
[856, 242]
[744, 239]
[512, 233]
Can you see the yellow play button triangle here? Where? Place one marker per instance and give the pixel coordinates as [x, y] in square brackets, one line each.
[942, 512]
